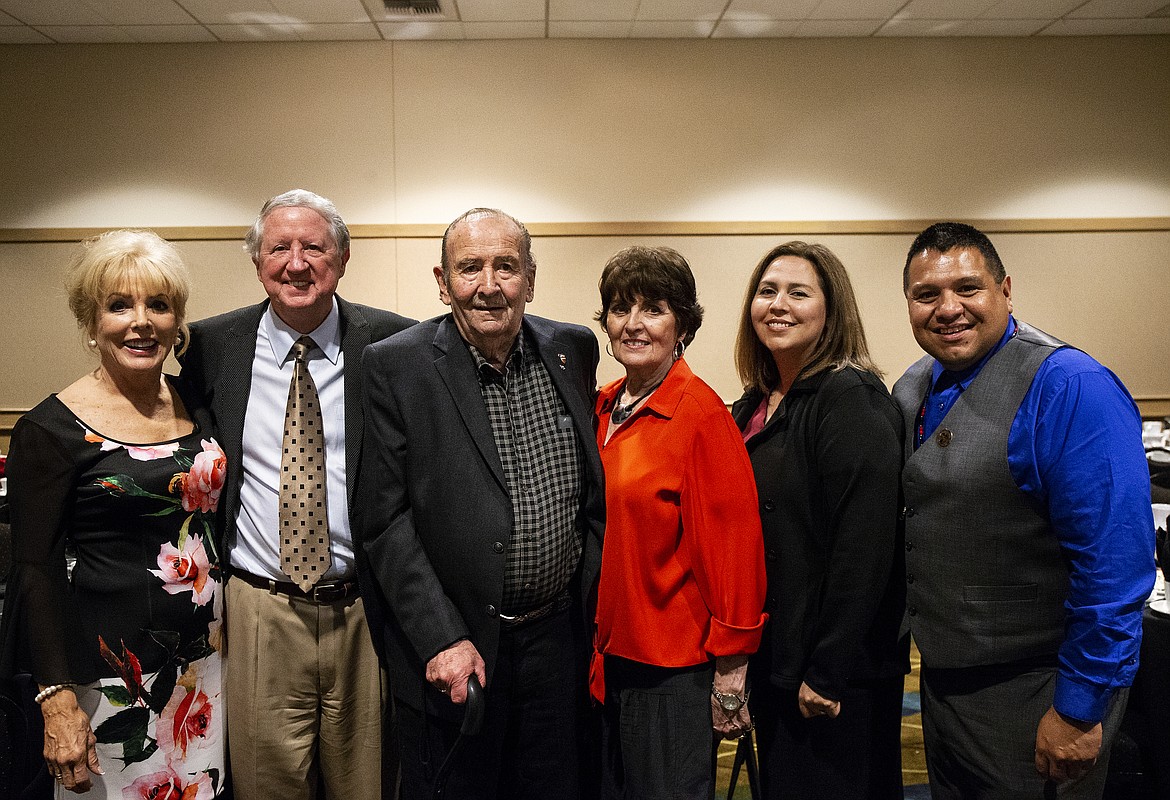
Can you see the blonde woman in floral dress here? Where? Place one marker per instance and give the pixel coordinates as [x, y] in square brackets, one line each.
[114, 600]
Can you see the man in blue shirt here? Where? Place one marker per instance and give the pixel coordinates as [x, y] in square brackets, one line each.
[1029, 537]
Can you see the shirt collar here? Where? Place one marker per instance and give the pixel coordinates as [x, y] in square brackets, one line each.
[282, 337]
[487, 371]
[963, 378]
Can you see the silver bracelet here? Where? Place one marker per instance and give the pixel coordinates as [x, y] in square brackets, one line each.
[49, 691]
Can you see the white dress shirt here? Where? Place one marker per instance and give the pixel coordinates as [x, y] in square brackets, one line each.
[257, 545]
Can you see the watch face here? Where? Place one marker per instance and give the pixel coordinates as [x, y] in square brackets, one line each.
[730, 703]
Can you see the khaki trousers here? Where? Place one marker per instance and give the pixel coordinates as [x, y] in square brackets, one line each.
[305, 698]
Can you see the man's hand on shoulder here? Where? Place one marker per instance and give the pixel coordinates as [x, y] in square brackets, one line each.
[449, 670]
[1066, 748]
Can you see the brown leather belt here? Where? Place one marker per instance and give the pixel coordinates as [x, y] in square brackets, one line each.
[323, 593]
[556, 606]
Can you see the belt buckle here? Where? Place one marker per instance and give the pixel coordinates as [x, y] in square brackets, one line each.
[329, 593]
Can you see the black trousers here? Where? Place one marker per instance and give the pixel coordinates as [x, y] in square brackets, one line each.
[529, 747]
[656, 733]
[856, 756]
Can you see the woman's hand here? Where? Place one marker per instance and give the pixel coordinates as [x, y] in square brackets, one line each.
[69, 742]
[730, 678]
[814, 705]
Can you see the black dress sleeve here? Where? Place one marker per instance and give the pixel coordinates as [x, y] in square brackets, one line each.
[38, 620]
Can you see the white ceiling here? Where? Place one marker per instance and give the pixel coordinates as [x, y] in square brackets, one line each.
[69, 21]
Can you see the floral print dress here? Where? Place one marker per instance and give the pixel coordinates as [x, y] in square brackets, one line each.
[116, 588]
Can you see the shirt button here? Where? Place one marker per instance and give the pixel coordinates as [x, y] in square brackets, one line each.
[498, 547]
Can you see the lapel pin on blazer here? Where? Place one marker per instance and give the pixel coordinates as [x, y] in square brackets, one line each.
[562, 359]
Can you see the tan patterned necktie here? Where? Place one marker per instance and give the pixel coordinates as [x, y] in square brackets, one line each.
[304, 523]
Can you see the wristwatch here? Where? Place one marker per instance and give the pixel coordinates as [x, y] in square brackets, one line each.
[730, 703]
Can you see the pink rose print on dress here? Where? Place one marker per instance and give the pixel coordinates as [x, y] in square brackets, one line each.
[186, 570]
[203, 484]
[167, 785]
[185, 722]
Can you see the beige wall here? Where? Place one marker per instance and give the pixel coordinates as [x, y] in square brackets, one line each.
[857, 136]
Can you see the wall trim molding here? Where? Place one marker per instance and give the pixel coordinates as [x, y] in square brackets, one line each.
[663, 228]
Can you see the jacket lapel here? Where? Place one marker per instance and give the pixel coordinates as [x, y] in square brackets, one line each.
[355, 335]
[455, 365]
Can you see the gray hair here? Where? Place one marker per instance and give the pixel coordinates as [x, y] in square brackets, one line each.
[526, 256]
[298, 198]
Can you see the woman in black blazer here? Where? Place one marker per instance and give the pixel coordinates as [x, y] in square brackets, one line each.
[824, 440]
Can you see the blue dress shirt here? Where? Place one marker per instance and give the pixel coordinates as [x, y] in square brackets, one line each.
[1075, 446]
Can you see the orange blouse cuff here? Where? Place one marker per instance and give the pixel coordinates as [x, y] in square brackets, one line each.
[732, 640]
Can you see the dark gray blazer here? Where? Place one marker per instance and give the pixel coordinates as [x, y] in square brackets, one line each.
[434, 515]
[218, 366]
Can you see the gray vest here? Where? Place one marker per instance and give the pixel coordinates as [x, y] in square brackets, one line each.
[986, 580]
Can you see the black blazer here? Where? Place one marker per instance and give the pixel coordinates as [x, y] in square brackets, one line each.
[218, 364]
[827, 468]
[434, 515]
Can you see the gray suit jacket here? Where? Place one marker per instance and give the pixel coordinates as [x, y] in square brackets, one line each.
[434, 515]
[218, 365]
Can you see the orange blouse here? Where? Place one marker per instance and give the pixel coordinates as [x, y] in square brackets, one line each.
[682, 569]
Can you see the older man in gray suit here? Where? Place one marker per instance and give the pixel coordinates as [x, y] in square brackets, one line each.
[481, 514]
[305, 695]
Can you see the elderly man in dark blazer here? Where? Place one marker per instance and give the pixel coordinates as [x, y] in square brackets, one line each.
[481, 513]
[305, 693]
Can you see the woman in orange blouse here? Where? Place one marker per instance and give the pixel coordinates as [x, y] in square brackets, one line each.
[682, 576]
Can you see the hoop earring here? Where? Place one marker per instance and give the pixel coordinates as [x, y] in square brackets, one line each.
[609, 351]
[680, 349]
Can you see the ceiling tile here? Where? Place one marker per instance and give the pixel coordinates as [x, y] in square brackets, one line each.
[339, 32]
[612, 10]
[769, 9]
[820, 28]
[1031, 9]
[944, 9]
[755, 28]
[64, 12]
[168, 33]
[676, 29]
[501, 11]
[22, 34]
[1100, 9]
[85, 34]
[680, 9]
[856, 9]
[328, 11]
[565, 29]
[232, 12]
[256, 32]
[421, 30]
[504, 30]
[140, 12]
[1107, 27]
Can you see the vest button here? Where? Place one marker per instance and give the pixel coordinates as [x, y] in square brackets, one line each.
[909, 546]
[490, 610]
[769, 505]
[912, 611]
[498, 547]
[770, 555]
[909, 577]
[944, 437]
